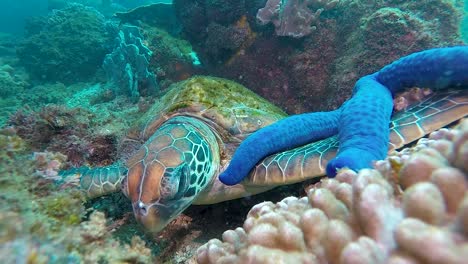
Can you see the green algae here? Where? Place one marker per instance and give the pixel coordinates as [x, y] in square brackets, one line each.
[225, 103]
[65, 207]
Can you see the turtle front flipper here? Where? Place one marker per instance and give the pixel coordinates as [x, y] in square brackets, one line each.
[433, 112]
[100, 181]
[295, 165]
[290, 132]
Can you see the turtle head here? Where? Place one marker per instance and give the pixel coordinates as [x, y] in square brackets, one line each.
[169, 171]
[156, 209]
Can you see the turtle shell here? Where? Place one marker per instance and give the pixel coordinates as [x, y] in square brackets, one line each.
[232, 110]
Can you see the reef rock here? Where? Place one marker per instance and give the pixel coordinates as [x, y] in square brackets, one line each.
[331, 44]
[293, 18]
[68, 45]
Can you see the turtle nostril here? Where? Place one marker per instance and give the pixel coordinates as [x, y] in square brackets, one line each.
[143, 209]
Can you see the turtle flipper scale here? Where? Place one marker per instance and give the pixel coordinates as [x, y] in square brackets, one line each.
[290, 132]
[295, 165]
[100, 181]
[435, 111]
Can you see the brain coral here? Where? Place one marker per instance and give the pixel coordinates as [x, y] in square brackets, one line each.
[67, 46]
[413, 208]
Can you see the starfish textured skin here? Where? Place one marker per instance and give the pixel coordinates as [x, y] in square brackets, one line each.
[362, 122]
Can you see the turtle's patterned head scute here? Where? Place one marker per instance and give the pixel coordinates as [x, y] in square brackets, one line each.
[169, 171]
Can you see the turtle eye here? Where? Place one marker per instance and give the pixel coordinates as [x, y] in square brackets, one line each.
[174, 182]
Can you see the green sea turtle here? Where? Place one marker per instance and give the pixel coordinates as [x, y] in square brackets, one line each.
[191, 134]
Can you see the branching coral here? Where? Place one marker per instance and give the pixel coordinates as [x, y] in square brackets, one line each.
[412, 209]
[127, 66]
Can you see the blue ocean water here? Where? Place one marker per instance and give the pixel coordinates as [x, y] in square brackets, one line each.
[13, 14]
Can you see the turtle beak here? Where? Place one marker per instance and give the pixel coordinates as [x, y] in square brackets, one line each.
[153, 217]
[156, 211]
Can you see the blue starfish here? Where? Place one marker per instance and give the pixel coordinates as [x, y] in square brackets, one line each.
[362, 122]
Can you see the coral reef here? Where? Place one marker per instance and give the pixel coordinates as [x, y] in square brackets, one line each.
[106, 7]
[27, 207]
[10, 83]
[316, 71]
[68, 45]
[10, 142]
[227, 42]
[310, 71]
[225, 12]
[192, 16]
[94, 233]
[412, 208]
[81, 121]
[397, 25]
[42, 222]
[7, 44]
[293, 18]
[13, 82]
[57, 128]
[50, 93]
[173, 59]
[35, 97]
[420, 190]
[127, 66]
[289, 76]
[48, 164]
[195, 16]
[388, 31]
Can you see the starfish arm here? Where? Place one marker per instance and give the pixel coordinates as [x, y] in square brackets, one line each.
[364, 126]
[437, 68]
[363, 133]
[288, 133]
